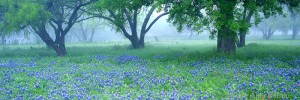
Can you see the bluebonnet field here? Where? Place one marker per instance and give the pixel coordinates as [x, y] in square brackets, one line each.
[127, 76]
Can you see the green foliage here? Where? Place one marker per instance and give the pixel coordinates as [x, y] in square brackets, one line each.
[23, 14]
[215, 14]
[116, 10]
[291, 3]
[188, 12]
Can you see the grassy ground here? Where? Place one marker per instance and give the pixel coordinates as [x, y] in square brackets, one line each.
[161, 70]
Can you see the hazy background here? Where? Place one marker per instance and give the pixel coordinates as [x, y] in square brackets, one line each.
[162, 31]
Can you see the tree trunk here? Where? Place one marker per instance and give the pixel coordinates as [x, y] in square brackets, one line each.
[58, 50]
[219, 43]
[191, 34]
[92, 36]
[57, 36]
[43, 34]
[264, 35]
[226, 40]
[3, 39]
[78, 37]
[226, 36]
[83, 32]
[142, 42]
[142, 39]
[294, 17]
[135, 43]
[227, 45]
[269, 33]
[242, 40]
[47, 39]
[295, 31]
[284, 32]
[62, 45]
[84, 38]
[243, 32]
[268, 36]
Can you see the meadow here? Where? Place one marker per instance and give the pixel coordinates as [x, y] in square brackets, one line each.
[186, 69]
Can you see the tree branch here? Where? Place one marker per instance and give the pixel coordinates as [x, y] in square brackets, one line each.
[128, 17]
[119, 25]
[74, 16]
[146, 20]
[156, 19]
[135, 13]
[85, 19]
[52, 25]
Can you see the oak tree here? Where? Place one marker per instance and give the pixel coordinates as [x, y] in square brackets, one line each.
[225, 19]
[60, 15]
[131, 17]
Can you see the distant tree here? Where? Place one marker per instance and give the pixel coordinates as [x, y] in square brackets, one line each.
[125, 15]
[190, 28]
[295, 25]
[250, 7]
[284, 24]
[2, 38]
[61, 15]
[2, 35]
[85, 30]
[156, 38]
[267, 27]
[225, 17]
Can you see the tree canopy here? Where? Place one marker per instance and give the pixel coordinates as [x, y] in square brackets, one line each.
[38, 15]
[225, 18]
[125, 16]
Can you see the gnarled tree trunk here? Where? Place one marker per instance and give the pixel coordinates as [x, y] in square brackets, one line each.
[135, 42]
[58, 45]
[227, 45]
[226, 36]
[226, 41]
[242, 39]
[62, 46]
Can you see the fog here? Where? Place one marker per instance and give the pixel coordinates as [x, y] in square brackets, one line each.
[95, 30]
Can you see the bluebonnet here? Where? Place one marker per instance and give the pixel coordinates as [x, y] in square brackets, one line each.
[69, 80]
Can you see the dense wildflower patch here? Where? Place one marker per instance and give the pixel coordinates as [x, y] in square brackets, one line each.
[131, 77]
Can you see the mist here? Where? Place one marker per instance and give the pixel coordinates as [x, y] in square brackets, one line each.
[149, 49]
[98, 30]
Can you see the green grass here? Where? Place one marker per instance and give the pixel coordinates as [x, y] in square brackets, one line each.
[194, 49]
[174, 53]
